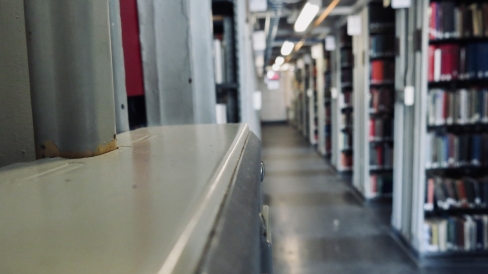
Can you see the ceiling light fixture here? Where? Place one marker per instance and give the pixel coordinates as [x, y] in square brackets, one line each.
[280, 60]
[317, 22]
[306, 16]
[287, 48]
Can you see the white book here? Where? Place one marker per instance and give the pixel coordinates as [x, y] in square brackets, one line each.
[485, 106]
[475, 97]
[432, 109]
[221, 113]
[451, 107]
[462, 106]
[442, 226]
[218, 62]
[437, 65]
[440, 107]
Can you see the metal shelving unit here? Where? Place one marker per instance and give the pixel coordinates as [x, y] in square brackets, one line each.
[372, 171]
[410, 213]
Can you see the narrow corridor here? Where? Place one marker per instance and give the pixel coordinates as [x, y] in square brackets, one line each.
[318, 226]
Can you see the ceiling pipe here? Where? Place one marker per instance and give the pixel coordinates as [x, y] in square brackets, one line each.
[271, 27]
[317, 22]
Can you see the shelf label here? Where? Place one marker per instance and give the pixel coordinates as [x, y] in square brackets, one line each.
[408, 98]
[330, 43]
[354, 25]
[333, 93]
[401, 4]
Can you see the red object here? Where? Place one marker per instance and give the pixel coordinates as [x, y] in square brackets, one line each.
[371, 129]
[445, 62]
[379, 155]
[431, 63]
[430, 192]
[132, 48]
[433, 17]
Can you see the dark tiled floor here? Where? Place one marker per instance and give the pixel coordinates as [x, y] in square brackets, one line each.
[317, 224]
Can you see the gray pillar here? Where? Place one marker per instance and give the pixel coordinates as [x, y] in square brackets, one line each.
[177, 49]
[120, 92]
[16, 128]
[71, 77]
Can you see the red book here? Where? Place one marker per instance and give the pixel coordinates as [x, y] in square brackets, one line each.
[445, 67]
[433, 21]
[372, 127]
[430, 194]
[455, 61]
[461, 191]
[379, 155]
[431, 63]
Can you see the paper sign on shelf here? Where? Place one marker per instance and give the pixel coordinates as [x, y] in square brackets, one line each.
[401, 4]
[258, 5]
[353, 25]
[316, 51]
[330, 44]
[408, 97]
[333, 93]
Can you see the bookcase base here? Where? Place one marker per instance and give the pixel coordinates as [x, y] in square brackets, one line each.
[444, 259]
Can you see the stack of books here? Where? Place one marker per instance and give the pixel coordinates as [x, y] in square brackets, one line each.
[382, 45]
[449, 62]
[382, 100]
[456, 233]
[449, 19]
[458, 107]
[381, 185]
[381, 156]
[382, 71]
[449, 150]
[380, 129]
[448, 193]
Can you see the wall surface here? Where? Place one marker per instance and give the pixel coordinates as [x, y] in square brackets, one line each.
[16, 126]
[274, 108]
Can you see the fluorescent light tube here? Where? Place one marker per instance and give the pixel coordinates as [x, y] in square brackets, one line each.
[306, 16]
[287, 48]
[280, 60]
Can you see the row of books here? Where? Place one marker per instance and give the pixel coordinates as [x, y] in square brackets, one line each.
[380, 129]
[347, 99]
[461, 107]
[328, 145]
[345, 141]
[449, 62]
[447, 193]
[347, 119]
[381, 155]
[381, 100]
[381, 184]
[345, 39]
[346, 77]
[382, 45]
[382, 71]
[347, 160]
[456, 150]
[378, 15]
[449, 19]
[456, 233]
[346, 58]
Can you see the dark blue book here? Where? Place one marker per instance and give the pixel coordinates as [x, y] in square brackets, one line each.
[476, 149]
[480, 239]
